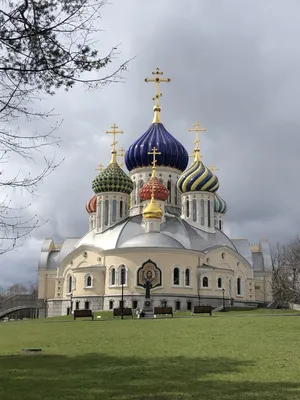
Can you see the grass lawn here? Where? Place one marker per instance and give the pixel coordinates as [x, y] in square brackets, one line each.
[209, 358]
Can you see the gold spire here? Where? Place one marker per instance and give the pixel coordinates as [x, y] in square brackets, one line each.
[114, 131]
[154, 152]
[153, 210]
[213, 168]
[121, 154]
[192, 155]
[157, 80]
[196, 128]
[100, 168]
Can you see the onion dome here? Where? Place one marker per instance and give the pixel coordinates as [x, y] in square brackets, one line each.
[112, 179]
[172, 152]
[220, 204]
[152, 210]
[197, 178]
[160, 192]
[91, 205]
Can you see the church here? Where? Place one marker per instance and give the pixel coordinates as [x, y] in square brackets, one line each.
[162, 223]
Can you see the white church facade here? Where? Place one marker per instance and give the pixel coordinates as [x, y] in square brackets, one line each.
[163, 222]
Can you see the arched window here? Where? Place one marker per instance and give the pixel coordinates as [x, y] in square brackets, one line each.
[106, 204]
[70, 284]
[134, 194]
[187, 208]
[202, 211]
[126, 208]
[113, 276]
[205, 281]
[194, 210]
[220, 283]
[114, 210]
[239, 286]
[176, 276]
[176, 195]
[121, 209]
[208, 213]
[220, 225]
[88, 281]
[170, 191]
[187, 277]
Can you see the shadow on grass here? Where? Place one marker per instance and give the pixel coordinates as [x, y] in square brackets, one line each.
[96, 376]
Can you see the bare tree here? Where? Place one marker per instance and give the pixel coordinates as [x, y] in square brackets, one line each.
[45, 45]
[286, 273]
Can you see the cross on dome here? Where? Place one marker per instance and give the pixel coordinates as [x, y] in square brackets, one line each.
[197, 128]
[157, 80]
[121, 154]
[154, 152]
[114, 131]
[213, 168]
[100, 168]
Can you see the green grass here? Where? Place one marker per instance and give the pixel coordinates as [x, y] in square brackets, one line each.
[209, 358]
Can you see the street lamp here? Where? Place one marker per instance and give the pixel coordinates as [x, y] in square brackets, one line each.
[223, 290]
[71, 302]
[122, 293]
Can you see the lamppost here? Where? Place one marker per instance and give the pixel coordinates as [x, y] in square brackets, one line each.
[71, 302]
[199, 284]
[223, 290]
[122, 293]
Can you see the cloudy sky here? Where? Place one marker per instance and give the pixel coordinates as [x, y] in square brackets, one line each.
[234, 66]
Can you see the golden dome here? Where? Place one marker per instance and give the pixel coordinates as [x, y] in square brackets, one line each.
[152, 210]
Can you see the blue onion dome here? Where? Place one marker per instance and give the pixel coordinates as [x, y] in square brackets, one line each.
[172, 152]
[112, 179]
[197, 178]
[220, 204]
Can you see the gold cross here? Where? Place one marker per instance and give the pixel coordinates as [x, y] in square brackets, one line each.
[157, 80]
[114, 132]
[213, 168]
[121, 154]
[154, 152]
[100, 168]
[197, 129]
[193, 155]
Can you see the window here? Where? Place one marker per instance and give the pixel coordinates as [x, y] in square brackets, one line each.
[205, 281]
[134, 304]
[223, 255]
[163, 303]
[88, 281]
[77, 305]
[220, 225]
[68, 311]
[187, 208]
[106, 205]
[111, 304]
[86, 305]
[177, 305]
[141, 184]
[187, 277]
[121, 303]
[114, 211]
[202, 211]
[194, 210]
[176, 276]
[70, 284]
[134, 195]
[126, 208]
[239, 286]
[112, 277]
[170, 191]
[121, 209]
[208, 213]
[176, 195]
[189, 305]
[220, 283]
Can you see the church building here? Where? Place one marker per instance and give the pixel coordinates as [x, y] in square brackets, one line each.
[163, 223]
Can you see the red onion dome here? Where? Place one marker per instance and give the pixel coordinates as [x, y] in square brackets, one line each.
[91, 205]
[160, 191]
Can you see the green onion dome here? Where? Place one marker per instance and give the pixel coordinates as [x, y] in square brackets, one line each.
[220, 204]
[197, 178]
[112, 179]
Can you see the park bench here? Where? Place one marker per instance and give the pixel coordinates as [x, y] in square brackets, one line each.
[203, 309]
[163, 311]
[118, 311]
[83, 314]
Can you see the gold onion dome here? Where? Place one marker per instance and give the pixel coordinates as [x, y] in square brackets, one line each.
[152, 210]
[198, 178]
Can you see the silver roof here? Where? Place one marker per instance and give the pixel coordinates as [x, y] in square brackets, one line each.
[244, 248]
[258, 262]
[131, 233]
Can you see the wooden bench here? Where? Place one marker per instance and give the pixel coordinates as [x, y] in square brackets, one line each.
[203, 309]
[83, 314]
[163, 310]
[117, 312]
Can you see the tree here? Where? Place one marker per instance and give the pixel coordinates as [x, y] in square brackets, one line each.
[286, 273]
[45, 45]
